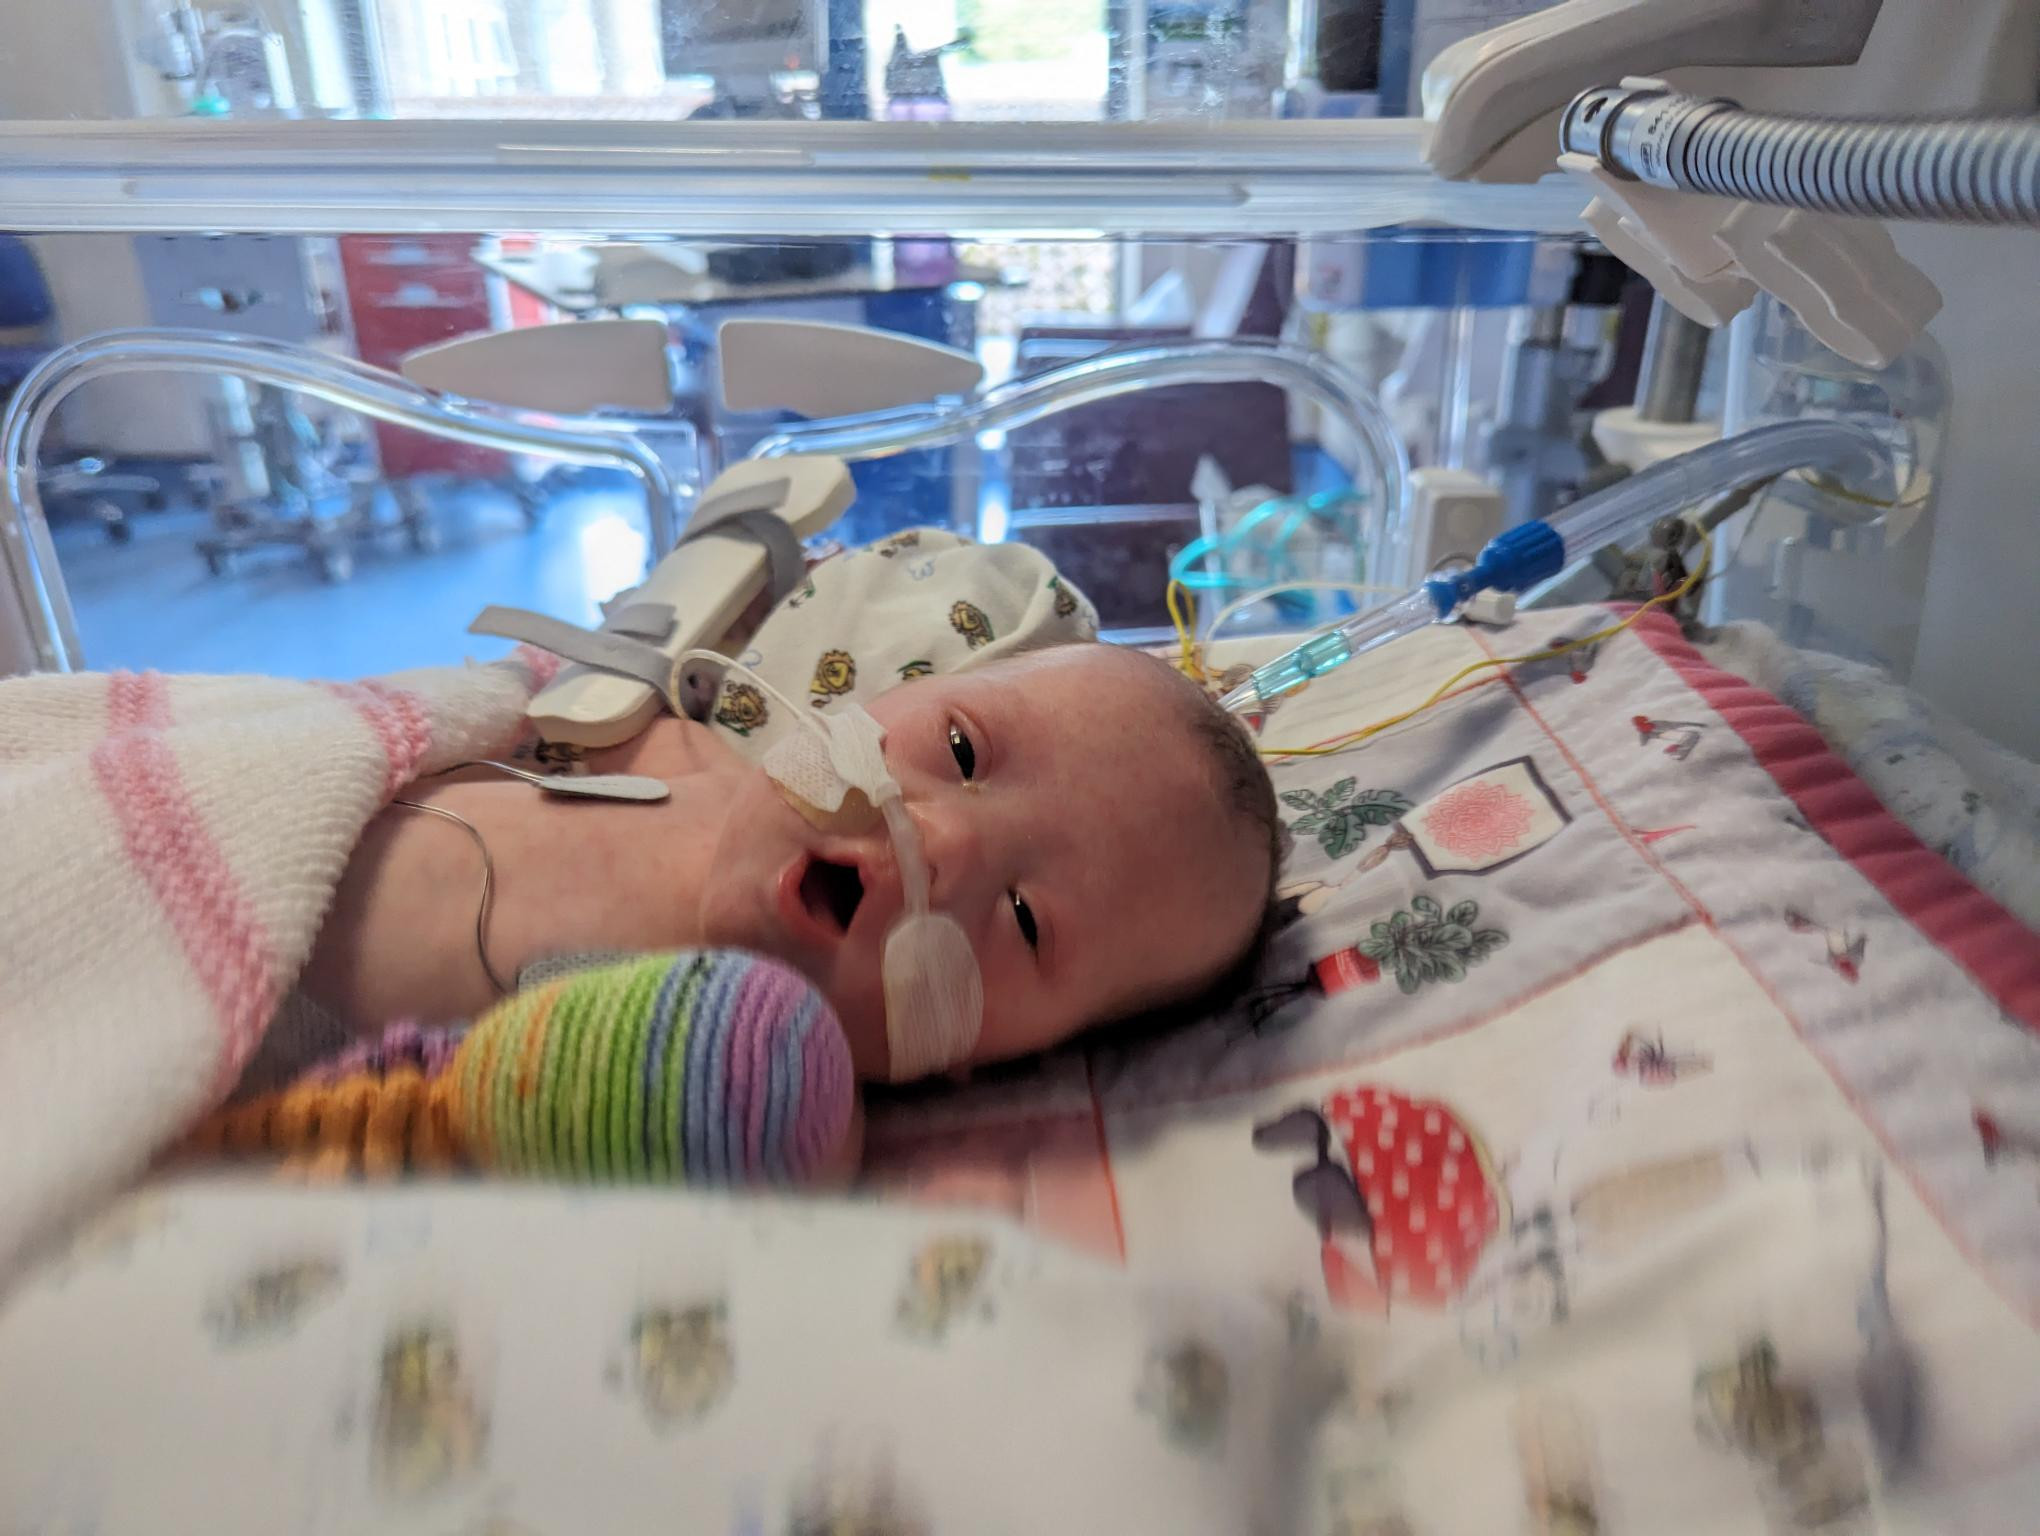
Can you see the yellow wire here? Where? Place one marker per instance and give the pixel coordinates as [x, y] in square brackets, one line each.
[1186, 660]
[1190, 657]
[1355, 738]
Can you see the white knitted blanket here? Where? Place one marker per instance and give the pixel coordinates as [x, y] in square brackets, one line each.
[169, 847]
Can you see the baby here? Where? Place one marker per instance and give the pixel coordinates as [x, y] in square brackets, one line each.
[1104, 834]
[1098, 840]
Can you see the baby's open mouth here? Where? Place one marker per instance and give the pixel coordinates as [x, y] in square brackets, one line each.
[831, 893]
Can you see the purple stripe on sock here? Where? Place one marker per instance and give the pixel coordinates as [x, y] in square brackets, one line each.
[749, 1005]
[400, 1045]
[439, 1049]
[782, 1105]
[823, 1114]
[772, 997]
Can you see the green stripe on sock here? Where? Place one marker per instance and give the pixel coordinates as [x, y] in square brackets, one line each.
[569, 1024]
[621, 1076]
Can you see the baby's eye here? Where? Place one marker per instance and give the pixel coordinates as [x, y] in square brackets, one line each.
[1025, 919]
[964, 753]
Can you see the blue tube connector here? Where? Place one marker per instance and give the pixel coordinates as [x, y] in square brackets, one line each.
[1513, 561]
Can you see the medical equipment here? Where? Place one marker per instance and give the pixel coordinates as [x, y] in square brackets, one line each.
[934, 996]
[226, 61]
[1491, 105]
[745, 531]
[884, 376]
[764, 57]
[1963, 170]
[1640, 144]
[1535, 551]
[1557, 353]
[25, 541]
[1643, 132]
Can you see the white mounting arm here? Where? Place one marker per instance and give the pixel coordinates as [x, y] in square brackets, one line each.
[822, 370]
[576, 367]
[1493, 103]
[690, 599]
[1484, 91]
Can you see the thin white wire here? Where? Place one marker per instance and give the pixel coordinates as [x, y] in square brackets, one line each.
[1372, 589]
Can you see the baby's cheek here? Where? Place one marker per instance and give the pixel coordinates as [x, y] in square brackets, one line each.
[1011, 1031]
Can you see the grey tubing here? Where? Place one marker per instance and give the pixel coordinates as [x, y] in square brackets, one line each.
[1978, 170]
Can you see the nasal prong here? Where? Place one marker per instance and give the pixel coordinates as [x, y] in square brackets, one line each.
[906, 843]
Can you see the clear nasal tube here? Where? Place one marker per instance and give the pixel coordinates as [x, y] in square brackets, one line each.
[934, 994]
[1530, 552]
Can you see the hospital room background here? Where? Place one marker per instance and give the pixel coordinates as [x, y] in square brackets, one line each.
[202, 522]
[1588, 448]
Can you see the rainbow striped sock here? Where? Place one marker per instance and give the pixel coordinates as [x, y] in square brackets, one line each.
[699, 1066]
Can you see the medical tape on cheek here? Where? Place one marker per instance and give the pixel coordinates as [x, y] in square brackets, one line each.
[818, 763]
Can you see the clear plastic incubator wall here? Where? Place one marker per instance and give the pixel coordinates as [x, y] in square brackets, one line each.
[1189, 297]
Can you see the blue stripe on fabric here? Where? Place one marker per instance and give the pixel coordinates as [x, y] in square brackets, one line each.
[665, 1008]
[706, 1101]
[782, 1108]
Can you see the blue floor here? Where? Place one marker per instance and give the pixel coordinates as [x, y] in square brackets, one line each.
[152, 603]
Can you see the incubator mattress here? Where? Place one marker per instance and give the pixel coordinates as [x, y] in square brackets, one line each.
[1635, 1129]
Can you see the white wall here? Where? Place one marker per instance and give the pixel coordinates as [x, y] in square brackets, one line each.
[56, 63]
[54, 66]
[1979, 649]
[96, 282]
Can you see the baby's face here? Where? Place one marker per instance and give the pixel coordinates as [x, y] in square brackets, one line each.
[1069, 815]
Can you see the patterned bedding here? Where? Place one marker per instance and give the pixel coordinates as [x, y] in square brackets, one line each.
[1972, 801]
[1635, 1128]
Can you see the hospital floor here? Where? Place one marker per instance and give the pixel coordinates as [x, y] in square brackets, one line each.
[151, 603]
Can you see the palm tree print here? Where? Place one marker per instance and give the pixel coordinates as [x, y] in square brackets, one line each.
[1339, 818]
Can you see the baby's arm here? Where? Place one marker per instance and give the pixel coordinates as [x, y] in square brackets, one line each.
[569, 876]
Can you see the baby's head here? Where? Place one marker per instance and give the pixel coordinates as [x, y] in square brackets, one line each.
[1105, 835]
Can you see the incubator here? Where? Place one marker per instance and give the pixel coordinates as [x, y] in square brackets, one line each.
[1308, 369]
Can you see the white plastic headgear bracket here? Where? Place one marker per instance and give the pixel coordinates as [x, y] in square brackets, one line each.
[1710, 256]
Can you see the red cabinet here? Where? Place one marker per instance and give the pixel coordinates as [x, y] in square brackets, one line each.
[407, 292]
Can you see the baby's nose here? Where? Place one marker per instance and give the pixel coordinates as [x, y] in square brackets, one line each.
[950, 847]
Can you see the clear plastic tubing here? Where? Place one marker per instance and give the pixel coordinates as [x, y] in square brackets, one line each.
[25, 547]
[1106, 376]
[1534, 552]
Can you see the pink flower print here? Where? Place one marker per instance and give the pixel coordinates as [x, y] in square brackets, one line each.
[1478, 819]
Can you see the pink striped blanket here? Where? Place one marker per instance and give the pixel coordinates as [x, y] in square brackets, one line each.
[170, 846]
